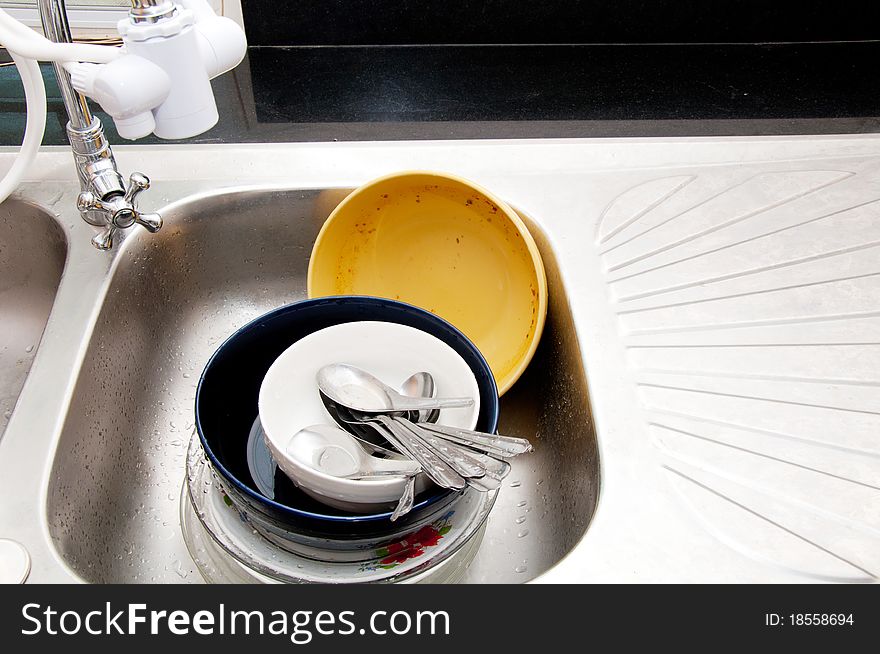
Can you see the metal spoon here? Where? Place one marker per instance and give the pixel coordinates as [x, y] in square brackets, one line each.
[493, 444]
[446, 464]
[263, 467]
[363, 428]
[336, 452]
[361, 424]
[358, 390]
[421, 384]
[492, 471]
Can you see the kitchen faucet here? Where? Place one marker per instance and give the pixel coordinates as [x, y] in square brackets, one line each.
[172, 49]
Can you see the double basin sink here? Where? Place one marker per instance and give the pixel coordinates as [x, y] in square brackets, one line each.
[109, 400]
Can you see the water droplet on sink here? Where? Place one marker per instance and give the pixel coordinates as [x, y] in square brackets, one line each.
[523, 533]
[521, 568]
[29, 348]
[521, 519]
[515, 484]
[523, 503]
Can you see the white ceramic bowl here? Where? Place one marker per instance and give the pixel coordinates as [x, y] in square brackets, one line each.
[289, 399]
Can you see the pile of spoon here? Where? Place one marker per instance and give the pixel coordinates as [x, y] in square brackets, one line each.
[388, 424]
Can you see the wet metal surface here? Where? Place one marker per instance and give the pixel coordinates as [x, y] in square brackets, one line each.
[219, 262]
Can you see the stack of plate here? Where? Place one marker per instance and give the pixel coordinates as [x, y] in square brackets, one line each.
[239, 506]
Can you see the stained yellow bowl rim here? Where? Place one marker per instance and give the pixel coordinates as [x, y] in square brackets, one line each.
[510, 376]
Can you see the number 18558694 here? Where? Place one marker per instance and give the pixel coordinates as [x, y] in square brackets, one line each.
[808, 619]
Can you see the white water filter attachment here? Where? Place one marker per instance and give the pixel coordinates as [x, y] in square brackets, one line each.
[162, 85]
[128, 89]
[172, 44]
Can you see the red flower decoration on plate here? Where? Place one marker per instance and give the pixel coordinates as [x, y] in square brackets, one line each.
[413, 545]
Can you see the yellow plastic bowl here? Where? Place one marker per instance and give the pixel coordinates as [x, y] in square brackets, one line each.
[446, 245]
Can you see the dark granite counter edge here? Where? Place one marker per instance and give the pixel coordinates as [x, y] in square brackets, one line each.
[283, 94]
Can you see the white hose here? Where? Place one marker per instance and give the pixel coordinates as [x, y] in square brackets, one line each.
[35, 96]
[26, 47]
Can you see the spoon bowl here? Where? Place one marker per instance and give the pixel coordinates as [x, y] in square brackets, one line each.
[360, 391]
[336, 452]
[421, 384]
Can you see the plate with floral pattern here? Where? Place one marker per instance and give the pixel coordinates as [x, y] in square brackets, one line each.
[243, 539]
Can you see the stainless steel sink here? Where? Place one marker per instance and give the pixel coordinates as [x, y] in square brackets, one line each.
[221, 260]
[722, 296]
[32, 254]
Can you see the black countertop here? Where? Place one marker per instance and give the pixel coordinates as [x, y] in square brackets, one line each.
[510, 22]
[302, 93]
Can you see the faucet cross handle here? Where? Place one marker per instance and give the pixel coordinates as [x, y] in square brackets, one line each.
[119, 210]
[137, 182]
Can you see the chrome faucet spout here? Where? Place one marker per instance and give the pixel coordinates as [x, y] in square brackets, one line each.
[105, 198]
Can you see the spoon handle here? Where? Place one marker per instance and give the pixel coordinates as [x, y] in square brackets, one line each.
[404, 403]
[395, 466]
[361, 475]
[493, 467]
[407, 500]
[492, 470]
[494, 444]
[438, 471]
[452, 455]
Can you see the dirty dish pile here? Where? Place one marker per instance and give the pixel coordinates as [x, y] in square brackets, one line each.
[231, 478]
[351, 437]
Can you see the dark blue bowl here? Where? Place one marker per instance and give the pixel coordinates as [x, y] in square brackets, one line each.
[226, 407]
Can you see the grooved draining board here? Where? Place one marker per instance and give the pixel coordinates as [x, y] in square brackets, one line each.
[749, 304]
[746, 300]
